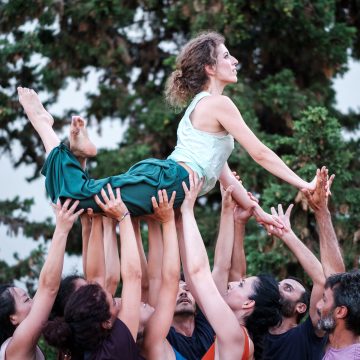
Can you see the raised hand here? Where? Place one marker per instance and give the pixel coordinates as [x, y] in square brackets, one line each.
[228, 202]
[192, 193]
[241, 216]
[318, 199]
[113, 207]
[65, 216]
[285, 218]
[163, 211]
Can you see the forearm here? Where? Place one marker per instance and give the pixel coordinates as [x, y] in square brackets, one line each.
[143, 262]
[239, 193]
[273, 163]
[112, 259]
[50, 274]
[195, 252]
[95, 266]
[238, 260]
[171, 259]
[85, 234]
[130, 259]
[155, 257]
[330, 253]
[223, 250]
[306, 258]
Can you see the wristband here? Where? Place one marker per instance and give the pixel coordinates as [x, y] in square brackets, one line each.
[123, 217]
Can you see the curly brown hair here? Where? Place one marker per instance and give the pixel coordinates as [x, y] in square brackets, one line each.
[190, 76]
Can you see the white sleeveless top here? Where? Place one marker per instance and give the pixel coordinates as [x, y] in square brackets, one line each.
[38, 356]
[206, 153]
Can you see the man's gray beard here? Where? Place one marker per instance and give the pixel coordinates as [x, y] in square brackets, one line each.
[327, 323]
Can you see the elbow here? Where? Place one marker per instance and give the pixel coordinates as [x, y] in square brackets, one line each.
[261, 154]
[221, 268]
[112, 282]
[197, 270]
[50, 287]
[131, 274]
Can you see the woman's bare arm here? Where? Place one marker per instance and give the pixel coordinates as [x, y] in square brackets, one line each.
[25, 338]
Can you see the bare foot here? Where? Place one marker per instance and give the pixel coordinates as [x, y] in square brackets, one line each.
[80, 144]
[33, 107]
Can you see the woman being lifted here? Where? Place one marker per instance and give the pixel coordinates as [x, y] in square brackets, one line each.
[205, 140]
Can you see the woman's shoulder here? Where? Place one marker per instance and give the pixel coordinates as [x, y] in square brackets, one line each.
[217, 101]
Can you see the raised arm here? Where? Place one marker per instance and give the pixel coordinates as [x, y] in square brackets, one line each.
[230, 118]
[111, 252]
[240, 195]
[238, 259]
[306, 258]
[130, 259]
[155, 256]
[95, 260]
[27, 334]
[330, 253]
[85, 234]
[143, 261]
[159, 324]
[230, 337]
[225, 242]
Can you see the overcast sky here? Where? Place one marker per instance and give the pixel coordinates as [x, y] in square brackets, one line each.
[14, 183]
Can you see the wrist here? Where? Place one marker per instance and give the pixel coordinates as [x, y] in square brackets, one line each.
[123, 216]
[241, 222]
[255, 208]
[322, 212]
[287, 235]
[187, 210]
[227, 210]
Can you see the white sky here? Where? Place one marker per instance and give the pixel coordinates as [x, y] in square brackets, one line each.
[14, 183]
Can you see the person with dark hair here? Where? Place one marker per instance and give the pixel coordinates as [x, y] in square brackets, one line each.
[190, 332]
[155, 346]
[205, 140]
[22, 318]
[304, 340]
[300, 340]
[68, 286]
[94, 323]
[228, 314]
[339, 312]
[229, 272]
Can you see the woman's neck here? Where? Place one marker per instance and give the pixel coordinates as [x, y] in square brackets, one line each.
[214, 87]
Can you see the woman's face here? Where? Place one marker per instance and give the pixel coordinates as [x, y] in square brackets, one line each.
[23, 304]
[225, 68]
[239, 292]
[114, 305]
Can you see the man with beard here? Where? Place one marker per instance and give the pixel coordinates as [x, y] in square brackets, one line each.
[339, 312]
[291, 339]
[190, 333]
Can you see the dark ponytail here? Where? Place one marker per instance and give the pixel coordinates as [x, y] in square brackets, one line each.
[82, 326]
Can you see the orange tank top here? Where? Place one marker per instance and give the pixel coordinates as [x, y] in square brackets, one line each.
[210, 354]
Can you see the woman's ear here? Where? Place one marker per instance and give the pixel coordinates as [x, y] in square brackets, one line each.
[210, 70]
[14, 320]
[107, 324]
[248, 304]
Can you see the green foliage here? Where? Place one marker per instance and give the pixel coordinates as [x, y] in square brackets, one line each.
[289, 51]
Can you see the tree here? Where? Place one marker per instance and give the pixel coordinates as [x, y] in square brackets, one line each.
[289, 52]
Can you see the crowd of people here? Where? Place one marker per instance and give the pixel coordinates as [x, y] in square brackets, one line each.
[163, 312]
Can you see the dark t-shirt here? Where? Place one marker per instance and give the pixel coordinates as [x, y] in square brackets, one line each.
[118, 345]
[193, 347]
[299, 343]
